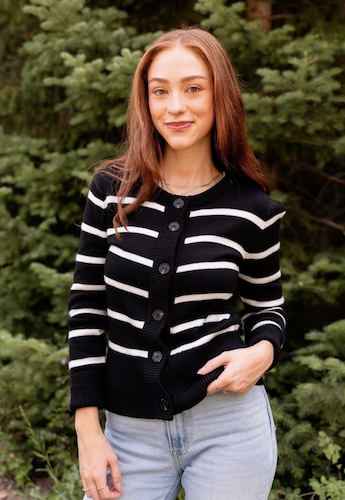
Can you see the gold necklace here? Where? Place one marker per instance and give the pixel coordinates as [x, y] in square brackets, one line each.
[191, 187]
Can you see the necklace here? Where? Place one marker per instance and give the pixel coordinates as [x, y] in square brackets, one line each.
[191, 187]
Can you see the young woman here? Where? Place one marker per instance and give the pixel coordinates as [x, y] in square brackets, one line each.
[173, 232]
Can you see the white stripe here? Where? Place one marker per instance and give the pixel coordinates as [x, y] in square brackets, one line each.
[154, 206]
[82, 286]
[201, 266]
[263, 323]
[270, 310]
[93, 230]
[87, 310]
[126, 319]
[260, 281]
[85, 332]
[126, 350]
[266, 303]
[134, 229]
[125, 201]
[108, 200]
[86, 361]
[202, 296]
[126, 288]
[202, 340]
[210, 238]
[88, 259]
[131, 256]
[211, 318]
[264, 254]
[233, 212]
[282, 317]
[96, 201]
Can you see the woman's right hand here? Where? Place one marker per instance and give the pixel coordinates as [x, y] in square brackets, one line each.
[95, 457]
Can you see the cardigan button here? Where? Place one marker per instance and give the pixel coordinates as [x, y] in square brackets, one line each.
[178, 203]
[164, 404]
[158, 314]
[157, 356]
[164, 268]
[174, 226]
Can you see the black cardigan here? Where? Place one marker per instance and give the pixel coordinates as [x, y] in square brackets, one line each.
[148, 310]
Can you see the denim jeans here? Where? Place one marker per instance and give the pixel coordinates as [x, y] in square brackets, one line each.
[224, 448]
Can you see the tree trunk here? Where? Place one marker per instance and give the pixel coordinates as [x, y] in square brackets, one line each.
[260, 10]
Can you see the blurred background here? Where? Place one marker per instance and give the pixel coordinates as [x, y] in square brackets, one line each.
[65, 73]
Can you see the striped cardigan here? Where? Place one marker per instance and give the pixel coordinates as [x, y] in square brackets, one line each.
[148, 310]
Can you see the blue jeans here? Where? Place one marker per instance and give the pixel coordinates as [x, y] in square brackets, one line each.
[224, 448]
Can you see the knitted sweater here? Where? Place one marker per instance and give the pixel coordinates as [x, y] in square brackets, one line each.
[148, 310]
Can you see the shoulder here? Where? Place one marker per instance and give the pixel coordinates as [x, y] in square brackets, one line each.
[249, 196]
[105, 182]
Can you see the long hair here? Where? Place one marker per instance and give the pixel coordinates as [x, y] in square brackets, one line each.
[145, 147]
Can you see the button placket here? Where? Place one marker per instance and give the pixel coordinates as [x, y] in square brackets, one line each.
[166, 248]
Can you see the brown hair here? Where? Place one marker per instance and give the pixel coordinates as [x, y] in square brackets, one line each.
[231, 149]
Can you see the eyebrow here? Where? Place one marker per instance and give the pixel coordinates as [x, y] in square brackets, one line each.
[185, 79]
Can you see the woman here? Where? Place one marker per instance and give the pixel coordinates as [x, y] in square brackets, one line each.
[172, 232]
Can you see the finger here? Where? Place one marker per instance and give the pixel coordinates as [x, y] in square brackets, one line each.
[213, 363]
[117, 486]
[115, 474]
[212, 388]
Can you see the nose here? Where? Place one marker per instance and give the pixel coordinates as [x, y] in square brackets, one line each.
[176, 104]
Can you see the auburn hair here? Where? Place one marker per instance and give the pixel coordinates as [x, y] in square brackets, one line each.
[144, 146]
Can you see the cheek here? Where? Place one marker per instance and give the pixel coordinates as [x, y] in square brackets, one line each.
[154, 109]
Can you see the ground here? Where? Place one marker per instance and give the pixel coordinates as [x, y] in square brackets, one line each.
[8, 489]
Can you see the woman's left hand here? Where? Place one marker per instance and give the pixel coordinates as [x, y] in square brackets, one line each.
[242, 368]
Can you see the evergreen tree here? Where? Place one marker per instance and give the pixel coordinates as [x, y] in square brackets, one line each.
[65, 73]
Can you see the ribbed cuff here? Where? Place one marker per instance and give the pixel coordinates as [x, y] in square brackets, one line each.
[86, 395]
[273, 335]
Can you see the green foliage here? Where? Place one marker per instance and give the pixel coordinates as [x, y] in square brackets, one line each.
[65, 484]
[40, 204]
[310, 418]
[34, 376]
[65, 73]
[81, 63]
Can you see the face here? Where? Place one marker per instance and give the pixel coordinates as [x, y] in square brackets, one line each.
[181, 99]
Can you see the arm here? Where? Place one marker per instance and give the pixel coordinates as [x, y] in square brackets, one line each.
[87, 303]
[87, 324]
[263, 318]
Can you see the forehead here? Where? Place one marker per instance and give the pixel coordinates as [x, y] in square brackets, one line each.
[178, 61]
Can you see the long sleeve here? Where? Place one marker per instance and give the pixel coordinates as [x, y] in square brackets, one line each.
[259, 283]
[87, 321]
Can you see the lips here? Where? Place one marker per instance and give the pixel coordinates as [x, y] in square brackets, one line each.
[178, 126]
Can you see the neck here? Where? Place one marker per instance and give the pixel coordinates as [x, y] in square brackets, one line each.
[187, 167]
[188, 173]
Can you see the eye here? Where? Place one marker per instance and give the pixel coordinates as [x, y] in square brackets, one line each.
[159, 91]
[193, 89]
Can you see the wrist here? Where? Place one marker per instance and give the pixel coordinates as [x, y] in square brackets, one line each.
[87, 420]
[264, 354]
